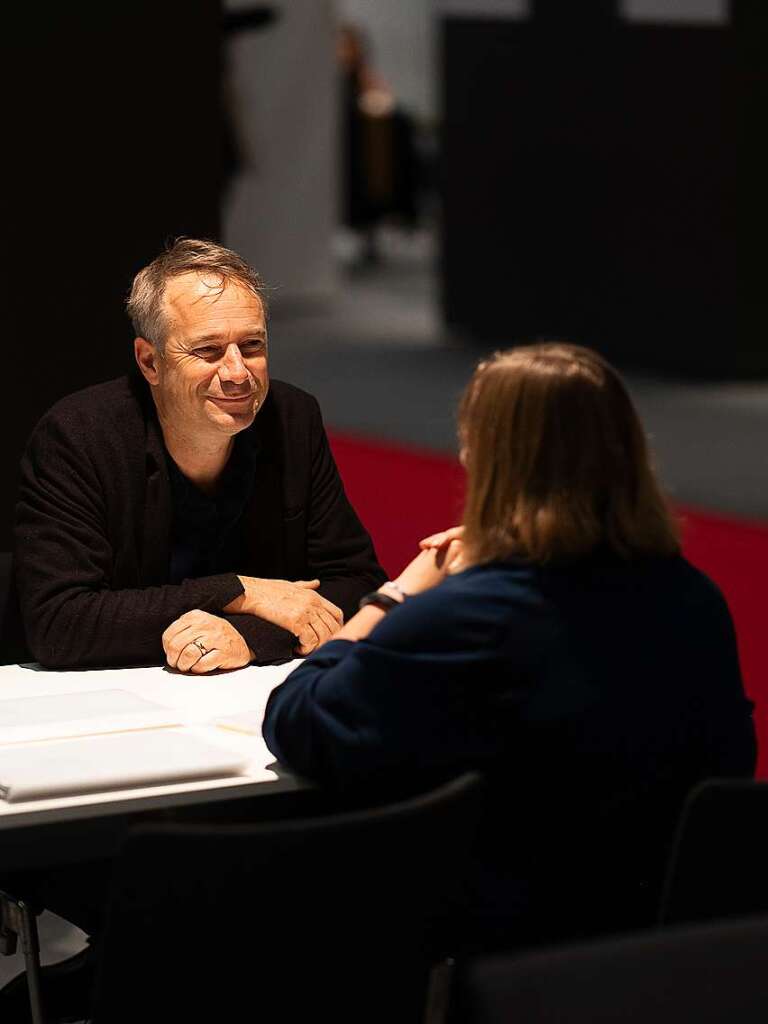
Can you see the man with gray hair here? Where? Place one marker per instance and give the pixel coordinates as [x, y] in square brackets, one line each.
[191, 511]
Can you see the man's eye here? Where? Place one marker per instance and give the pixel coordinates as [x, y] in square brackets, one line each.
[206, 352]
[251, 348]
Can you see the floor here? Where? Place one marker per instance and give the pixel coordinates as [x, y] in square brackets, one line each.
[58, 939]
[381, 366]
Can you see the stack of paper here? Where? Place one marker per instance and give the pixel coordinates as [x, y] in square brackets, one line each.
[38, 771]
[58, 715]
[248, 722]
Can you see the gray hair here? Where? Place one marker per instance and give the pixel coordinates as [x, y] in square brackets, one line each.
[186, 255]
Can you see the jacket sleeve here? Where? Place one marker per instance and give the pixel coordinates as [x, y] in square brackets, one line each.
[270, 644]
[63, 561]
[340, 552]
[402, 699]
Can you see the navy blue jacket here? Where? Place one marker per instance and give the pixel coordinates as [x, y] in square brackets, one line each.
[594, 696]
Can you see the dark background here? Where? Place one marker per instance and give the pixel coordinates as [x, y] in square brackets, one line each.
[111, 146]
[590, 180]
[600, 181]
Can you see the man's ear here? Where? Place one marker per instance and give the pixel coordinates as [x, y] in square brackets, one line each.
[147, 358]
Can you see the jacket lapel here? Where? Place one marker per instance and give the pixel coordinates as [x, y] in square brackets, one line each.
[156, 534]
[264, 515]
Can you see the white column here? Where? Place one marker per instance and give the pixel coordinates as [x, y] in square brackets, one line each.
[281, 212]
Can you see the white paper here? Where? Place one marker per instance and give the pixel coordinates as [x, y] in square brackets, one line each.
[59, 715]
[248, 722]
[38, 771]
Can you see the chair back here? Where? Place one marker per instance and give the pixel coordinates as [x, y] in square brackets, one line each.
[708, 973]
[719, 862]
[333, 918]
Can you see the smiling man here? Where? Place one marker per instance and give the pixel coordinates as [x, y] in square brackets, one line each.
[191, 512]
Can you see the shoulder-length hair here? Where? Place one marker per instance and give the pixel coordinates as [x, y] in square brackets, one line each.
[557, 462]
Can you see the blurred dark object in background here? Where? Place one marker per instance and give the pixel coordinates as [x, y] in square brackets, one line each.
[589, 187]
[576, 13]
[750, 18]
[379, 167]
[247, 19]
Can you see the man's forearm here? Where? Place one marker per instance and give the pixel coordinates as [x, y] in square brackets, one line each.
[269, 643]
[77, 627]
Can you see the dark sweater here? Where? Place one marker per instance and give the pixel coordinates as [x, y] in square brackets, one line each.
[93, 528]
[594, 697]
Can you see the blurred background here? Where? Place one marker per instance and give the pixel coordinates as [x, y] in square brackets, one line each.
[419, 181]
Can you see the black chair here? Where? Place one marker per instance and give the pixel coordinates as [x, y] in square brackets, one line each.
[719, 862]
[336, 918]
[707, 973]
[17, 922]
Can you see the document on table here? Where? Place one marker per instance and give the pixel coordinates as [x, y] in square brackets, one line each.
[60, 715]
[92, 764]
[248, 722]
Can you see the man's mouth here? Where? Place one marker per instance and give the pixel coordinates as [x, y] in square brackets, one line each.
[232, 398]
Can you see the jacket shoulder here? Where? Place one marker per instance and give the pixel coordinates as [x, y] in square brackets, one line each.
[289, 398]
[96, 408]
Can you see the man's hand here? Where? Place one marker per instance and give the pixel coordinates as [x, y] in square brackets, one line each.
[198, 642]
[294, 606]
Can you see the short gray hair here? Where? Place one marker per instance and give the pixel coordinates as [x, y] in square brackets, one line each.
[186, 255]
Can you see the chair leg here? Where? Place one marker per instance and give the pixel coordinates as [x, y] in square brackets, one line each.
[439, 992]
[17, 920]
[8, 936]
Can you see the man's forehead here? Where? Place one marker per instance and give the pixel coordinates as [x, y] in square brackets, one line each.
[194, 294]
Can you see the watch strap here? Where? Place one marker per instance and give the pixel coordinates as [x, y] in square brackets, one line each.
[379, 600]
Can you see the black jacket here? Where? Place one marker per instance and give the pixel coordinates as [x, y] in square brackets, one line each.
[92, 538]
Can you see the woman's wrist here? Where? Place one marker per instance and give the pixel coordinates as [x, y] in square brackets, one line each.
[388, 596]
[393, 589]
[361, 624]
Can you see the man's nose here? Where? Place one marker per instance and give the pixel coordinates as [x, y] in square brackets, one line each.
[232, 368]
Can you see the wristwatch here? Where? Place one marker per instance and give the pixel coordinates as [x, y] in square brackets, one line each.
[379, 600]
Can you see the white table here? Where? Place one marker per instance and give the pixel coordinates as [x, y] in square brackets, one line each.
[39, 832]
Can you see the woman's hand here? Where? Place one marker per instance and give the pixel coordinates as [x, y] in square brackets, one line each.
[443, 538]
[429, 568]
[450, 542]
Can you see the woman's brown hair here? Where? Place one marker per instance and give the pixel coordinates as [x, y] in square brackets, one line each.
[557, 462]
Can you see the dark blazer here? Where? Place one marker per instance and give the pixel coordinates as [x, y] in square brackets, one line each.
[593, 697]
[92, 538]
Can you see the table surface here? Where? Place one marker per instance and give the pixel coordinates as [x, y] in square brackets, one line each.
[200, 700]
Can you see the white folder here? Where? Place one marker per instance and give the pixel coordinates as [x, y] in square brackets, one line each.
[91, 764]
[56, 715]
[248, 722]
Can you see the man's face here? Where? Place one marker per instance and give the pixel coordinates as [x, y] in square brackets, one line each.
[212, 376]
